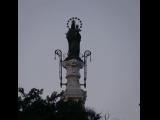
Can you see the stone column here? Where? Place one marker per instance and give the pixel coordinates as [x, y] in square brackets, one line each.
[73, 88]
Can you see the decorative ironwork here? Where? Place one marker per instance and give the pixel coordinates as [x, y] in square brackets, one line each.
[86, 54]
[59, 53]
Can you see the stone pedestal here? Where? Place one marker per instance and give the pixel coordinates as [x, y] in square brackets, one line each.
[73, 89]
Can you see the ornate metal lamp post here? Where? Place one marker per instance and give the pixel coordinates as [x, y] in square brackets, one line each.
[73, 63]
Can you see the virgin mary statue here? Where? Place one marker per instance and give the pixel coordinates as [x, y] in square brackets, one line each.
[73, 36]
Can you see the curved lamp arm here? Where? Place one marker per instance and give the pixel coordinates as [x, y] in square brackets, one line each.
[59, 53]
[86, 54]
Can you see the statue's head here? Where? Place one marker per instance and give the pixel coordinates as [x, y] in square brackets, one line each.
[73, 24]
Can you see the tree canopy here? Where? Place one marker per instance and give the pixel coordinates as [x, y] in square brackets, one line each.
[31, 106]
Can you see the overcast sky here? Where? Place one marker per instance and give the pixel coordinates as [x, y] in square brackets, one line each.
[111, 31]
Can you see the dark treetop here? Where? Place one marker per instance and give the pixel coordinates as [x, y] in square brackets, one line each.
[73, 36]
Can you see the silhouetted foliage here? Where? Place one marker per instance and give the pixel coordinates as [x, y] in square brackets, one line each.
[31, 106]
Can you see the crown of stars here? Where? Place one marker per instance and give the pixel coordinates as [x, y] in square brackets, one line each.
[75, 19]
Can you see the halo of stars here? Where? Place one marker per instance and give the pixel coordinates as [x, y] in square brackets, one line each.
[76, 19]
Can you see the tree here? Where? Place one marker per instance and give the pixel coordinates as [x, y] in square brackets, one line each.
[31, 106]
